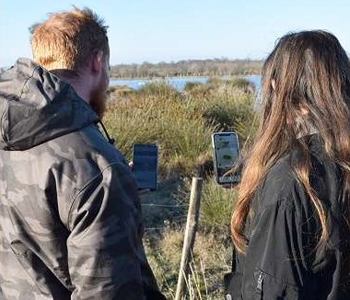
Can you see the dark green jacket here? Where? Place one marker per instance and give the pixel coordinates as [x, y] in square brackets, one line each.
[70, 218]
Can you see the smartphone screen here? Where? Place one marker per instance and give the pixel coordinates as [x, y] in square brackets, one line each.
[145, 160]
[226, 151]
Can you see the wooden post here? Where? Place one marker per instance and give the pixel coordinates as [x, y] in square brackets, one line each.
[190, 234]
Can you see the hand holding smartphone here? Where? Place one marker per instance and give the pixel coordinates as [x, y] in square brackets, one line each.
[145, 166]
[226, 152]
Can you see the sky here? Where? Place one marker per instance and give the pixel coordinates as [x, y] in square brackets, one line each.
[168, 30]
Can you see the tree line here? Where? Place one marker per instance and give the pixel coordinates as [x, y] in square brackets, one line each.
[207, 67]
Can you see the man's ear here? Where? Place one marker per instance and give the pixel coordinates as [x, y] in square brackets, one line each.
[97, 62]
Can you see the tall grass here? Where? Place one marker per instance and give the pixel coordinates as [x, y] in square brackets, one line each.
[160, 116]
[181, 123]
[216, 207]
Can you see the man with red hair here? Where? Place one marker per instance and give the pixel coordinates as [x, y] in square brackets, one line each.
[70, 218]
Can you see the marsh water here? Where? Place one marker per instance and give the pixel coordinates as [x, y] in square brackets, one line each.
[177, 82]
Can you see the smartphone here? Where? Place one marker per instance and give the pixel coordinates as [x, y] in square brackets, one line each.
[145, 168]
[226, 151]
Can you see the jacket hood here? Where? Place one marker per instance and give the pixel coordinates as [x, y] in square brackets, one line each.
[36, 106]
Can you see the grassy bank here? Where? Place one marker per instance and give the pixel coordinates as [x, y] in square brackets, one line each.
[181, 123]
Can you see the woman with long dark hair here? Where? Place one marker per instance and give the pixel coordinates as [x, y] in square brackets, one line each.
[290, 226]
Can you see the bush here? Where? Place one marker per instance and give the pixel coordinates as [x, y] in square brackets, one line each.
[190, 86]
[158, 89]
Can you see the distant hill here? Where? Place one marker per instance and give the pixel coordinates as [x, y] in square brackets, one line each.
[208, 67]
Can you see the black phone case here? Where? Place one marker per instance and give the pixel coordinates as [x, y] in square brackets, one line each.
[145, 168]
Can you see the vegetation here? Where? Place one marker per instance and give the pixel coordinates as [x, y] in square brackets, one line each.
[208, 67]
[181, 123]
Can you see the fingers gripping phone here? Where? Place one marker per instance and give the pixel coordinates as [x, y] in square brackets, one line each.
[145, 165]
[226, 151]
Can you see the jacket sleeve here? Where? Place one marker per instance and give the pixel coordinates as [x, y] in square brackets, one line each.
[106, 259]
[275, 265]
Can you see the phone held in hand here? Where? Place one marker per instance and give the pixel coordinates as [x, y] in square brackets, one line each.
[226, 152]
[145, 165]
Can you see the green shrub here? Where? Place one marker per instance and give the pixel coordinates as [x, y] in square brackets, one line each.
[240, 83]
[190, 86]
[158, 88]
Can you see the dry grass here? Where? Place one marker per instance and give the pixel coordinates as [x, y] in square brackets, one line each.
[211, 259]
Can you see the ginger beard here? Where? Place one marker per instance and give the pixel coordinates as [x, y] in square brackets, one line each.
[98, 101]
[98, 97]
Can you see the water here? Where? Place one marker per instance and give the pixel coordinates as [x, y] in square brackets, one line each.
[256, 81]
[177, 82]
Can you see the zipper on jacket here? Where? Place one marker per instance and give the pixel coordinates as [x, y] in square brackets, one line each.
[260, 281]
[259, 277]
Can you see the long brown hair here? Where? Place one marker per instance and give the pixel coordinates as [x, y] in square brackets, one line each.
[305, 86]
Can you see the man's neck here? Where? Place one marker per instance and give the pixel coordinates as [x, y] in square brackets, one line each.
[77, 81]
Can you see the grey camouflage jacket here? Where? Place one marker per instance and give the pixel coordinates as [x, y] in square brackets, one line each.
[70, 218]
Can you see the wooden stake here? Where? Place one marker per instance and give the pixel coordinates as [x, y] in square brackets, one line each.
[190, 234]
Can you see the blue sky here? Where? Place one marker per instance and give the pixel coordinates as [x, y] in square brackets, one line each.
[167, 30]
